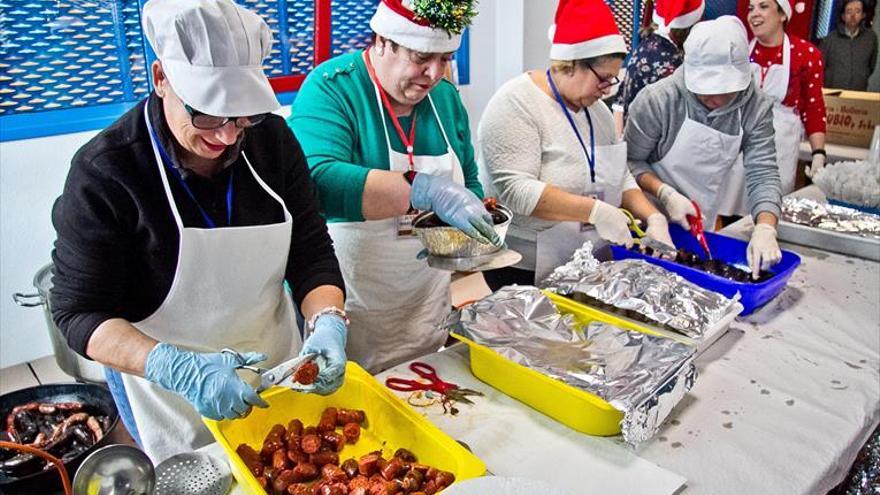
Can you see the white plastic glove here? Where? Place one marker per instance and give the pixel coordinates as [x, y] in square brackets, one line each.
[677, 205]
[658, 229]
[763, 251]
[817, 164]
[611, 223]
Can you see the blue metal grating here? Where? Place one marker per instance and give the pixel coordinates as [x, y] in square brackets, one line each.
[351, 25]
[300, 36]
[66, 54]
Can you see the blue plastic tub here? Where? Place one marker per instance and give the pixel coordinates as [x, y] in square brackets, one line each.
[729, 250]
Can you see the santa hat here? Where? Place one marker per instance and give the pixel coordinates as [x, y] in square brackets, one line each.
[396, 20]
[678, 14]
[785, 5]
[584, 29]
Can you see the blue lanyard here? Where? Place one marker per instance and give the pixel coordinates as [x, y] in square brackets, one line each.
[591, 155]
[166, 160]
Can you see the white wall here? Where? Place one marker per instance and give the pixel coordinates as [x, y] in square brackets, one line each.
[32, 174]
[540, 14]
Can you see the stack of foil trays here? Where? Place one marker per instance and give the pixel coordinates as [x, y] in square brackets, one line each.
[641, 375]
[805, 211]
[645, 292]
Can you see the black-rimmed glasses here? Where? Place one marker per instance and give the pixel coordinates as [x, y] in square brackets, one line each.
[604, 82]
[207, 122]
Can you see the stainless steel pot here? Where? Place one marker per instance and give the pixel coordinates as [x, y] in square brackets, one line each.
[69, 361]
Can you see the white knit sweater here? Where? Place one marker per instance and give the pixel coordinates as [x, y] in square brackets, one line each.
[524, 143]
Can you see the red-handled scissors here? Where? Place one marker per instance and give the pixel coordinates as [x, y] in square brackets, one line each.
[697, 231]
[435, 384]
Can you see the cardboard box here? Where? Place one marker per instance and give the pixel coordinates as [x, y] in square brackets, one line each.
[851, 116]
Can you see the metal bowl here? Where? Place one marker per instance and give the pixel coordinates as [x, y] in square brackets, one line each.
[451, 242]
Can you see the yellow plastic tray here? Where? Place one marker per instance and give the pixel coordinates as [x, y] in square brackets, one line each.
[573, 407]
[391, 424]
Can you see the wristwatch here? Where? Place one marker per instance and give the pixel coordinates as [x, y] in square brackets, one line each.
[329, 310]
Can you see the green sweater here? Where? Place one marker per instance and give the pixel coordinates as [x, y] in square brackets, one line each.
[336, 119]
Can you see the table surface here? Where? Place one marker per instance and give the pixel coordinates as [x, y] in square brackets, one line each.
[782, 404]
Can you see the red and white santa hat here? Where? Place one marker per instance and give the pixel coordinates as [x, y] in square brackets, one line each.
[395, 20]
[785, 5]
[584, 29]
[677, 14]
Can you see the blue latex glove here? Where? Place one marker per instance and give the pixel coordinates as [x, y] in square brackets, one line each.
[207, 380]
[455, 205]
[328, 340]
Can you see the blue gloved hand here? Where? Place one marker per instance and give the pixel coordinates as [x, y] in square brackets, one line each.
[207, 380]
[328, 340]
[455, 205]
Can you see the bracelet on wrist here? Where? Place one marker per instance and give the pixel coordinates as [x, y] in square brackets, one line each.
[329, 310]
[819, 151]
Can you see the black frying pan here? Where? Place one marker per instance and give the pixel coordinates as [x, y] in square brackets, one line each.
[48, 481]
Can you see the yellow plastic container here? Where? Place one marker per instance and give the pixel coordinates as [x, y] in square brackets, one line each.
[573, 407]
[391, 424]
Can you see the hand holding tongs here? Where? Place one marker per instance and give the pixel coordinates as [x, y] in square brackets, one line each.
[272, 376]
[641, 238]
[696, 223]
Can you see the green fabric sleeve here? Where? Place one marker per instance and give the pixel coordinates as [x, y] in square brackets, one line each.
[324, 127]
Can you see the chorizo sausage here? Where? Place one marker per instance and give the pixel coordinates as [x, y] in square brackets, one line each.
[392, 469]
[251, 459]
[368, 465]
[282, 481]
[351, 432]
[334, 441]
[405, 455]
[323, 458]
[310, 444]
[305, 472]
[279, 461]
[333, 473]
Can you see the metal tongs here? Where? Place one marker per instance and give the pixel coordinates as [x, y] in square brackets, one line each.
[641, 238]
[272, 376]
[697, 231]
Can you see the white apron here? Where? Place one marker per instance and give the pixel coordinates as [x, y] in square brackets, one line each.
[787, 128]
[394, 301]
[556, 244]
[227, 291]
[699, 164]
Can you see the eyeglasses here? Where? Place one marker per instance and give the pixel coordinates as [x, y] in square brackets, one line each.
[604, 82]
[207, 122]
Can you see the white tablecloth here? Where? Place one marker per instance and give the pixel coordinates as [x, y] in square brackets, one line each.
[783, 403]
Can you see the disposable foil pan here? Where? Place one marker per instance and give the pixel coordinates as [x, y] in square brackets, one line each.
[802, 224]
[588, 370]
[452, 242]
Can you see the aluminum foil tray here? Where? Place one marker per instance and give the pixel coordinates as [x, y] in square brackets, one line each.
[635, 406]
[862, 245]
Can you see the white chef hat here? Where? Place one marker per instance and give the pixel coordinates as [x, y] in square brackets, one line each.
[716, 57]
[212, 52]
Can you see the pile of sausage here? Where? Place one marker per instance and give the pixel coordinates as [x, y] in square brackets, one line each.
[304, 460]
[64, 430]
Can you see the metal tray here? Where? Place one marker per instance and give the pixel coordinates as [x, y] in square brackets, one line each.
[828, 240]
